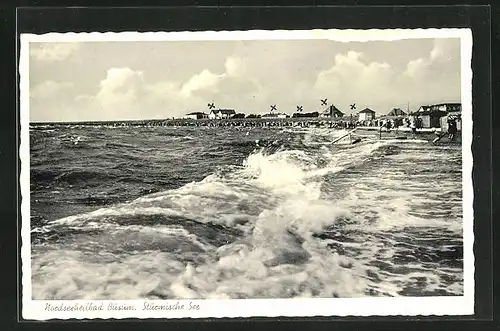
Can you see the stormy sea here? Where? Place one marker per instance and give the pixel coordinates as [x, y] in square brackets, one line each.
[226, 212]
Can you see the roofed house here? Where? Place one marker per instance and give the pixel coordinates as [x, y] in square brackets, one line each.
[366, 114]
[305, 115]
[274, 115]
[447, 107]
[430, 116]
[195, 115]
[221, 113]
[332, 112]
[396, 112]
[453, 111]
[253, 116]
[423, 109]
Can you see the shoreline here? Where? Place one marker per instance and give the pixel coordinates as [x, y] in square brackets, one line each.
[314, 122]
[334, 123]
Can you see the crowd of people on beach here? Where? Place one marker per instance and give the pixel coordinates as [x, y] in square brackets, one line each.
[393, 123]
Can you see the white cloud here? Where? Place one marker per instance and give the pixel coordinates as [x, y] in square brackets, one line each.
[235, 66]
[51, 52]
[446, 52]
[249, 81]
[205, 80]
[126, 93]
[50, 89]
[233, 86]
[352, 80]
[433, 78]
[120, 89]
[414, 67]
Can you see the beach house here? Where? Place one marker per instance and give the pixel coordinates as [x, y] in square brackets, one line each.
[454, 113]
[366, 115]
[447, 107]
[431, 115]
[305, 115]
[428, 118]
[396, 112]
[195, 115]
[221, 113]
[274, 115]
[332, 112]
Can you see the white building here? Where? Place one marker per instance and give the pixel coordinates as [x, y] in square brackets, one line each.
[447, 107]
[366, 115]
[221, 113]
[274, 115]
[195, 116]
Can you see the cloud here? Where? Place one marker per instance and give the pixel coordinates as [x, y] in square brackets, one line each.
[120, 89]
[227, 89]
[249, 80]
[127, 93]
[51, 52]
[50, 89]
[428, 79]
[235, 66]
[444, 55]
[205, 80]
[352, 79]
[436, 77]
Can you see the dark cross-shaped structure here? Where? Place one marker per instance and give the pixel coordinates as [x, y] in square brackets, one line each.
[323, 102]
[211, 105]
[273, 107]
[353, 106]
[299, 108]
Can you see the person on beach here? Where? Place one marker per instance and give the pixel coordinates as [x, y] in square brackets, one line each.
[419, 123]
[388, 125]
[452, 128]
[413, 126]
[396, 124]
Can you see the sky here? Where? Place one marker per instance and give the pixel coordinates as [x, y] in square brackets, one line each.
[125, 80]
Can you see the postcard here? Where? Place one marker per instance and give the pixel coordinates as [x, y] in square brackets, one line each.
[246, 173]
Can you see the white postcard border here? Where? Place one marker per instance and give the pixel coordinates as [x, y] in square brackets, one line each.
[408, 306]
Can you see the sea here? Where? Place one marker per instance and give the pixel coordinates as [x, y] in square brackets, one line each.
[235, 212]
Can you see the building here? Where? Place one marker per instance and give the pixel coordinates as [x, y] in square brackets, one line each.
[457, 116]
[195, 115]
[432, 116]
[423, 109]
[453, 114]
[447, 107]
[305, 115]
[253, 116]
[366, 115]
[332, 112]
[221, 113]
[429, 118]
[396, 112]
[275, 115]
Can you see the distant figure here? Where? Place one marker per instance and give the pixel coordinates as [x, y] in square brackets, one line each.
[452, 128]
[396, 123]
[419, 123]
[413, 126]
[388, 125]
